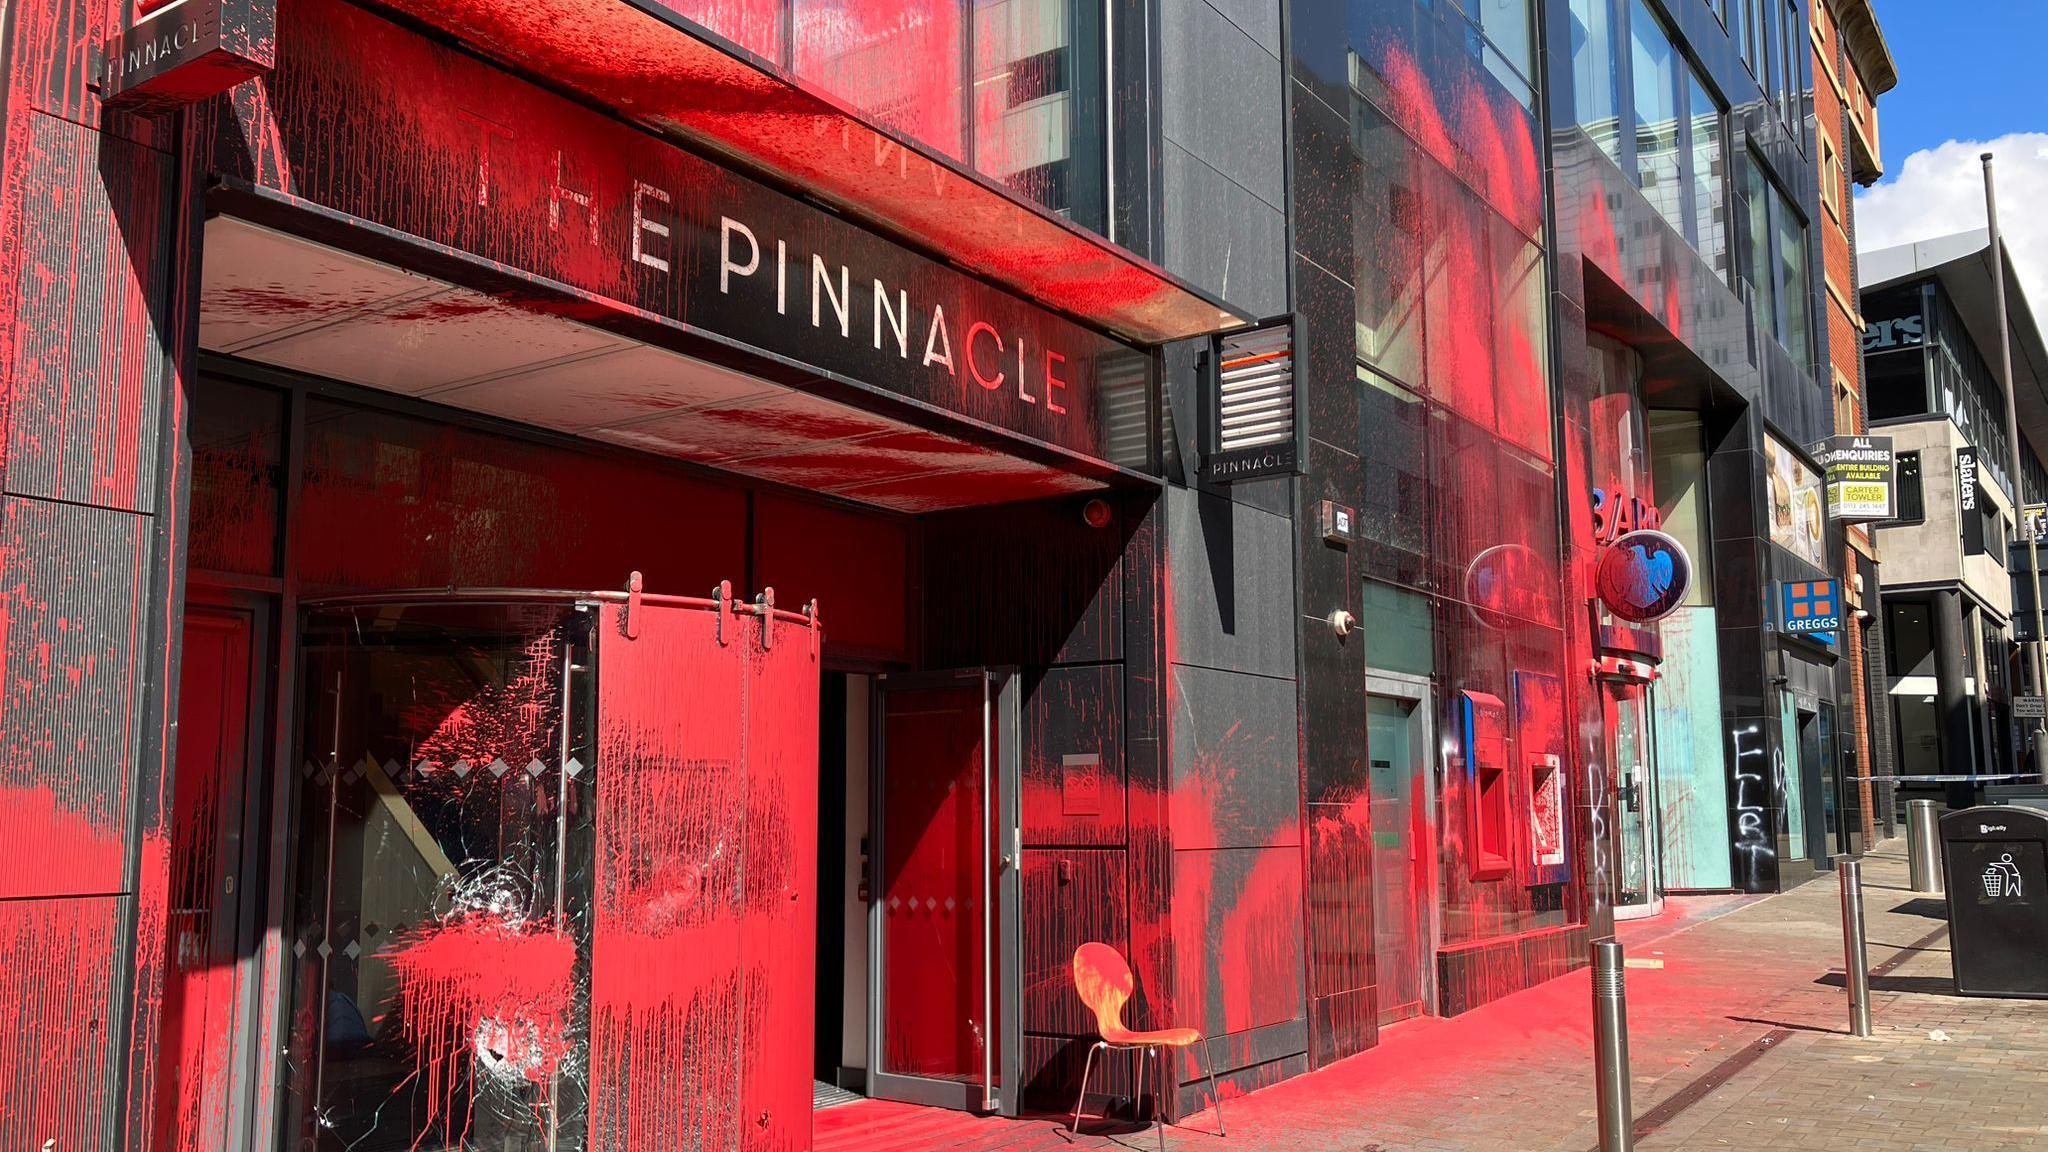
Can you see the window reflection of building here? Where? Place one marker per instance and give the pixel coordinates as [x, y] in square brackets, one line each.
[1452, 342]
[1009, 87]
[1023, 105]
[1594, 83]
[1655, 72]
[1676, 149]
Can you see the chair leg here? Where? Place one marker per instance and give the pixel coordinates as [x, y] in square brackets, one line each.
[1159, 1079]
[1209, 1058]
[1087, 1067]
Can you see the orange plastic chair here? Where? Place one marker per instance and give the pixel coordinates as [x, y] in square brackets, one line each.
[1105, 983]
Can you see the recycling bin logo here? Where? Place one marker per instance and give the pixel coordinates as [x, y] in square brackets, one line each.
[2002, 878]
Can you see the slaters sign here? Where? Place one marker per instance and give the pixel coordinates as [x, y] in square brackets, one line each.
[1254, 427]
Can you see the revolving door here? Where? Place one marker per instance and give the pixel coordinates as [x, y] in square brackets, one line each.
[554, 872]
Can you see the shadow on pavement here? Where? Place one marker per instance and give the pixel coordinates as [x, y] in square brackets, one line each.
[1928, 985]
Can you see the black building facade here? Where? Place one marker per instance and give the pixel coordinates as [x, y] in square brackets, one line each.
[566, 583]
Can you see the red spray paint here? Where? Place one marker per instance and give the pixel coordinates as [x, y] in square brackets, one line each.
[483, 996]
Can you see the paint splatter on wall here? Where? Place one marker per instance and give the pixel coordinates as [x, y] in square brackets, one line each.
[1462, 483]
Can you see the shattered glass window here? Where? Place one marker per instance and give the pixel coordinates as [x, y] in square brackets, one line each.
[440, 934]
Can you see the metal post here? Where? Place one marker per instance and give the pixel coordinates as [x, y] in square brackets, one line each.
[1923, 846]
[1855, 951]
[1610, 1049]
[2039, 664]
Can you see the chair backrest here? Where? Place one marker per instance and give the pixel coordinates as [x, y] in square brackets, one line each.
[1105, 983]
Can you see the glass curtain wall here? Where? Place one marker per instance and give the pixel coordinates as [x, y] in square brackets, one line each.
[1677, 145]
[1460, 495]
[1011, 88]
[1775, 267]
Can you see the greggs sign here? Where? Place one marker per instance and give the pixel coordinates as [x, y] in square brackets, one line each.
[178, 51]
[370, 120]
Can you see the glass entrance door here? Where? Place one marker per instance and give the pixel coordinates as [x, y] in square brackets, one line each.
[944, 916]
[1639, 886]
[439, 947]
[1403, 896]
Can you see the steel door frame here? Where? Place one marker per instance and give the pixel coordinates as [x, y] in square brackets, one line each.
[1418, 691]
[1002, 917]
[250, 869]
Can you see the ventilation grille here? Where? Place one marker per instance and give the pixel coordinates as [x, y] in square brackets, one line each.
[1256, 407]
[1252, 429]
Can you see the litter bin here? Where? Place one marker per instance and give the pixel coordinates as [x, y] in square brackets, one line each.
[1997, 873]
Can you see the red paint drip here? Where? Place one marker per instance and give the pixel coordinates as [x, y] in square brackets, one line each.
[481, 988]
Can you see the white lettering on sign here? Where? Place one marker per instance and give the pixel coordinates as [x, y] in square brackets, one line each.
[1033, 376]
[1904, 332]
[1000, 357]
[644, 226]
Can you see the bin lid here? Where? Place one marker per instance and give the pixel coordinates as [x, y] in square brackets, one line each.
[1995, 822]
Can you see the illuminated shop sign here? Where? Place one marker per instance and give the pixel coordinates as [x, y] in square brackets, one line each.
[1251, 418]
[1860, 475]
[369, 120]
[178, 51]
[1811, 608]
[1643, 576]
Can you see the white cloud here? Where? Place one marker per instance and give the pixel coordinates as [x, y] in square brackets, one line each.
[1939, 191]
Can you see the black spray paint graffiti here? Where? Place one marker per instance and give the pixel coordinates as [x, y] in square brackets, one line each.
[1756, 847]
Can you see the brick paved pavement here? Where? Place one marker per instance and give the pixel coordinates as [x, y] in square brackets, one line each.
[1707, 983]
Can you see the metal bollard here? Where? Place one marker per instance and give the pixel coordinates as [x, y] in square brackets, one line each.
[1855, 950]
[1610, 1049]
[1923, 845]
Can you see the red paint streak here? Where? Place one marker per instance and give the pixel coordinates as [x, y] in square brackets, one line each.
[57, 960]
[392, 502]
[706, 841]
[482, 989]
[896, 60]
[513, 720]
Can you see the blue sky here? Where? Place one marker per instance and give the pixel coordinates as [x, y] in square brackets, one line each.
[1972, 77]
[1968, 69]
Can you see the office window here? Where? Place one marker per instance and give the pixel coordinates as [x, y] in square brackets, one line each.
[1912, 501]
[1775, 263]
[1709, 164]
[1655, 65]
[1759, 55]
[1757, 195]
[1510, 27]
[1594, 83]
[1830, 178]
[1848, 414]
[1795, 294]
[1010, 87]
[1789, 27]
[1994, 530]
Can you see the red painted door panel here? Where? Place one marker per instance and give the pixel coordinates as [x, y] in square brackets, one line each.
[202, 983]
[703, 952]
[934, 870]
[778, 945]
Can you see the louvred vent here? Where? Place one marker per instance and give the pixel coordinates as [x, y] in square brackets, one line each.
[1253, 426]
